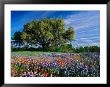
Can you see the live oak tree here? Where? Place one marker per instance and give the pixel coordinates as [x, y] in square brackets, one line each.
[48, 33]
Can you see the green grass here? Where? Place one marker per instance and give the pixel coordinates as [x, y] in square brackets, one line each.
[29, 53]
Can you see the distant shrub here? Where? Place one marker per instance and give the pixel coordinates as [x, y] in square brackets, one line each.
[63, 48]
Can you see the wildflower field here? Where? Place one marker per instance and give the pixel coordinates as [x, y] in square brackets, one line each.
[54, 64]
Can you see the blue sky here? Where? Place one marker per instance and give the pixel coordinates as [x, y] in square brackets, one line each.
[86, 23]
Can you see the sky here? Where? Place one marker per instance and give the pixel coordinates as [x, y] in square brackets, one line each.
[85, 23]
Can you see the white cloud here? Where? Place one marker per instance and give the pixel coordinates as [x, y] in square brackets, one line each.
[87, 27]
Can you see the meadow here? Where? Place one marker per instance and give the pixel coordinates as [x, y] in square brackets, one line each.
[54, 64]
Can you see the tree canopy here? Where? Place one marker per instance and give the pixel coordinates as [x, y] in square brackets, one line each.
[47, 33]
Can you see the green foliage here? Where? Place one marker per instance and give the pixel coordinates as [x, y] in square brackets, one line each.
[64, 48]
[87, 49]
[17, 36]
[48, 33]
[69, 34]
